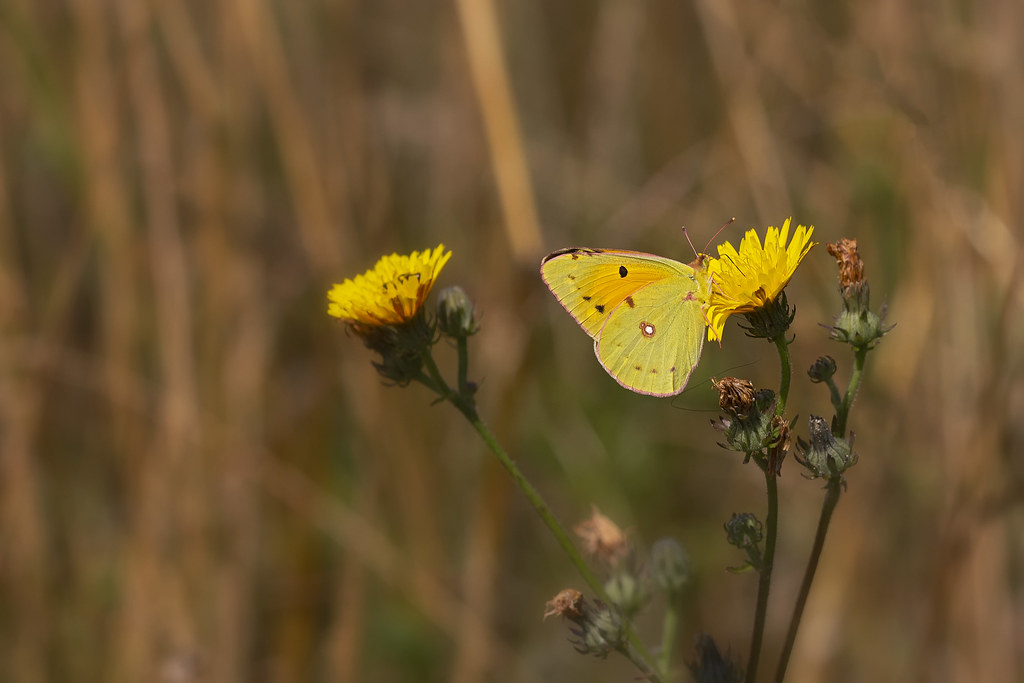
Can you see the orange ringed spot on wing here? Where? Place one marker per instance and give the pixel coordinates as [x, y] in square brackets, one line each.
[646, 329]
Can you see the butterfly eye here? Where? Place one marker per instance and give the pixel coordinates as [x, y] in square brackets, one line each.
[647, 329]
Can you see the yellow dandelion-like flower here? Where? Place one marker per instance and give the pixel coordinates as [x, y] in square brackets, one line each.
[746, 280]
[391, 293]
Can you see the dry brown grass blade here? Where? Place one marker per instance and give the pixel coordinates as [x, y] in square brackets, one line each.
[482, 36]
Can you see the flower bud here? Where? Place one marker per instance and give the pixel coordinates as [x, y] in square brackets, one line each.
[744, 530]
[825, 456]
[599, 628]
[857, 325]
[823, 369]
[710, 666]
[748, 423]
[670, 566]
[455, 313]
[627, 591]
[602, 538]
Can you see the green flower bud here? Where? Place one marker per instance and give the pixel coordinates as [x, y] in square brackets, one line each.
[455, 313]
[751, 430]
[858, 325]
[627, 591]
[825, 456]
[670, 565]
[823, 369]
[600, 631]
[744, 530]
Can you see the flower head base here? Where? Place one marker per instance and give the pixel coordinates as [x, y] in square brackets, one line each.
[391, 293]
[751, 278]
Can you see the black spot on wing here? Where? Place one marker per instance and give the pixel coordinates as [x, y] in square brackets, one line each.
[599, 308]
[623, 272]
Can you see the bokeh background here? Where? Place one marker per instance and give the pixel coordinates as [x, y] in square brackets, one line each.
[203, 479]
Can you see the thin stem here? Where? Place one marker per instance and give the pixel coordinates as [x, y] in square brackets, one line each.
[827, 507]
[786, 372]
[630, 652]
[765, 580]
[851, 392]
[634, 649]
[771, 524]
[668, 633]
[558, 531]
[463, 347]
[834, 396]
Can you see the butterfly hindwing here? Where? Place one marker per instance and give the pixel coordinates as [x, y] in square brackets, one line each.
[653, 345]
[642, 310]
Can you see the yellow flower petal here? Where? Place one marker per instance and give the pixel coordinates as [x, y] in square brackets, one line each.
[391, 293]
[748, 279]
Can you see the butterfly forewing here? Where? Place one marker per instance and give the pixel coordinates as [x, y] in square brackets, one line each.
[590, 283]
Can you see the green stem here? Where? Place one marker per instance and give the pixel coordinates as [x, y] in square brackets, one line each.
[851, 392]
[771, 524]
[765, 574]
[637, 652]
[786, 372]
[463, 346]
[827, 507]
[668, 633]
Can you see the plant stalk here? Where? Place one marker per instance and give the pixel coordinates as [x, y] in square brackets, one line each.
[765, 574]
[828, 506]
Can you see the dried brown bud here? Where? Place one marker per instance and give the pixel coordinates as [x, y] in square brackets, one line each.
[851, 267]
[568, 603]
[602, 538]
[735, 396]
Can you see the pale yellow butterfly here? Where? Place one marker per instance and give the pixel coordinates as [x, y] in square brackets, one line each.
[643, 312]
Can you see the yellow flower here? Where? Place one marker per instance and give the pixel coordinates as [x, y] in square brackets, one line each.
[746, 280]
[389, 294]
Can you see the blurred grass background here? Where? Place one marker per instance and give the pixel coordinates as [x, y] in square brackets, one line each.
[201, 476]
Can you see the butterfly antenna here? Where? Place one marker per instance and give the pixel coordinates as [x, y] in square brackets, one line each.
[715, 236]
[687, 236]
